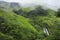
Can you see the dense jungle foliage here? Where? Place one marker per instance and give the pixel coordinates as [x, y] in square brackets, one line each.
[30, 24]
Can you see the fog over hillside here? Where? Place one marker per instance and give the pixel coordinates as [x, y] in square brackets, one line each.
[53, 4]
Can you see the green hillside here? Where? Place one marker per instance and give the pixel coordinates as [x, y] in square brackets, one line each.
[15, 26]
[37, 24]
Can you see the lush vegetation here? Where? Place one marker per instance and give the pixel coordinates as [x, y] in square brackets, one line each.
[28, 24]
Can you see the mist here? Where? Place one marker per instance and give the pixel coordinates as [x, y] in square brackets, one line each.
[53, 4]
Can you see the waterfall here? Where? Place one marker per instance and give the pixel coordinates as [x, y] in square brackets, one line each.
[46, 31]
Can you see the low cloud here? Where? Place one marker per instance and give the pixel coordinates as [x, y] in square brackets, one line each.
[48, 3]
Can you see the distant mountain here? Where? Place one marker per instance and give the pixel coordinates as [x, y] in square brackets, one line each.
[9, 5]
[4, 4]
[14, 5]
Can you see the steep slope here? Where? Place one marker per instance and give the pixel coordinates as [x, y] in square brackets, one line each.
[16, 26]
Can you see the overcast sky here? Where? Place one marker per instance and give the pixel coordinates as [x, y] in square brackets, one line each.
[49, 3]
